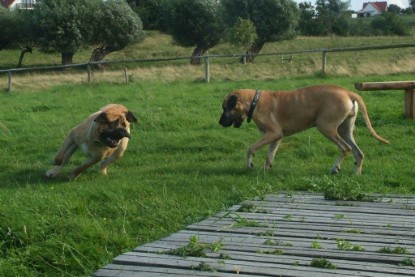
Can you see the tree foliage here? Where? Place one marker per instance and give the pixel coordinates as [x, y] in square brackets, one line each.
[196, 23]
[60, 26]
[332, 17]
[112, 26]
[66, 25]
[7, 34]
[389, 24]
[274, 20]
[243, 32]
[149, 12]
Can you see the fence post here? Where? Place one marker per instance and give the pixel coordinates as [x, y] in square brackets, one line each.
[324, 60]
[88, 69]
[9, 86]
[126, 75]
[207, 73]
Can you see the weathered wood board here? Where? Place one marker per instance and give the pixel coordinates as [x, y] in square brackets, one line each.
[282, 235]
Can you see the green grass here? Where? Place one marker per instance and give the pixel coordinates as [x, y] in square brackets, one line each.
[181, 166]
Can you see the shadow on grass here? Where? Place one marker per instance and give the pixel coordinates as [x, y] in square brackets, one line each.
[28, 177]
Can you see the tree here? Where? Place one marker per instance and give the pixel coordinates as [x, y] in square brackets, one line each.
[149, 12]
[196, 23]
[389, 24]
[26, 32]
[307, 22]
[392, 8]
[112, 26]
[60, 26]
[243, 33]
[332, 17]
[274, 20]
[412, 4]
[7, 35]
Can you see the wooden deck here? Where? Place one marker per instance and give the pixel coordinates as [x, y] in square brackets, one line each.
[282, 235]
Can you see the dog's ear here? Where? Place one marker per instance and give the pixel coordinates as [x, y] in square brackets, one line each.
[101, 117]
[232, 100]
[131, 117]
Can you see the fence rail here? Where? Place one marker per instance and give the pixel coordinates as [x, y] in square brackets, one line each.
[89, 65]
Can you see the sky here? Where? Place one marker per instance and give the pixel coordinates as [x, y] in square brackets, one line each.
[357, 5]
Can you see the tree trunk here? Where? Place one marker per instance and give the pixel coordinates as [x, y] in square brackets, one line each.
[27, 49]
[66, 58]
[197, 54]
[99, 54]
[255, 48]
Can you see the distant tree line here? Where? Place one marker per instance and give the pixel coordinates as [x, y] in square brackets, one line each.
[332, 17]
[65, 26]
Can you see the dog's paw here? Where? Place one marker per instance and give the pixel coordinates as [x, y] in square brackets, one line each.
[335, 170]
[52, 173]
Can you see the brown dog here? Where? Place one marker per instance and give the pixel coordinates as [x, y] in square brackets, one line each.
[103, 137]
[332, 109]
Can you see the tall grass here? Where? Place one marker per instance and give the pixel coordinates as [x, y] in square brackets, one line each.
[181, 166]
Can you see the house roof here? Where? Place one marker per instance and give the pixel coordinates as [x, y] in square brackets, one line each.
[6, 3]
[380, 6]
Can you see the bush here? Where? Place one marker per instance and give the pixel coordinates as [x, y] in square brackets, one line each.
[390, 24]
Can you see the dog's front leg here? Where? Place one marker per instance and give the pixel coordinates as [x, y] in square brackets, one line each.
[78, 170]
[62, 157]
[273, 148]
[114, 156]
[267, 138]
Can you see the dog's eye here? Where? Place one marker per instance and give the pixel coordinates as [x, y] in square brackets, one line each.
[116, 122]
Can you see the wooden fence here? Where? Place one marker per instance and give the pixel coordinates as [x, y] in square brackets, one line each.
[89, 65]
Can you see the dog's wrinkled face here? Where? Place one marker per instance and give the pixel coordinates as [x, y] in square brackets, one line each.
[230, 115]
[111, 127]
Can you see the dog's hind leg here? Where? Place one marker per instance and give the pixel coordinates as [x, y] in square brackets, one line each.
[346, 132]
[331, 134]
[273, 148]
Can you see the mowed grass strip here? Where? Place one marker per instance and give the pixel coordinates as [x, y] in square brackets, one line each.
[181, 166]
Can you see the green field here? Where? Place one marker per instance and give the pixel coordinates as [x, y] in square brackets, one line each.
[181, 165]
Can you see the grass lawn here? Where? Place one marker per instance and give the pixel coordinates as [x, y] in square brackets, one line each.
[181, 166]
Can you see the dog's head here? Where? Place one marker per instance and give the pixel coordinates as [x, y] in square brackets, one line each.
[232, 113]
[112, 125]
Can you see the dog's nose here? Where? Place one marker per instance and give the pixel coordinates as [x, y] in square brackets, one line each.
[122, 133]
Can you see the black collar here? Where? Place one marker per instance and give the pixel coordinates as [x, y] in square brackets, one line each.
[253, 105]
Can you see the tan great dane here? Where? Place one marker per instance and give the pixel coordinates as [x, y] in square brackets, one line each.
[277, 114]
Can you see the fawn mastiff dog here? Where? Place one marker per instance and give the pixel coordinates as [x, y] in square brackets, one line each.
[103, 137]
[277, 114]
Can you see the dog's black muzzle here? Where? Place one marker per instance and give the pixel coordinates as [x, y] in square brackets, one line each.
[227, 120]
[112, 138]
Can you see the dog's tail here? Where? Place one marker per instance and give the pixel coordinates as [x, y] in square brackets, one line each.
[363, 108]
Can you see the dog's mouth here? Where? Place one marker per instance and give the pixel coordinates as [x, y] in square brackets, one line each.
[227, 120]
[237, 122]
[112, 139]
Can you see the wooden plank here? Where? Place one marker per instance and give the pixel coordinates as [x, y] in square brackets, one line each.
[290, 227]
[271, 268]
[286, 259]
[393, 85]
[116, 270]
[335, 219]
[329, 242]
[282, 241]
